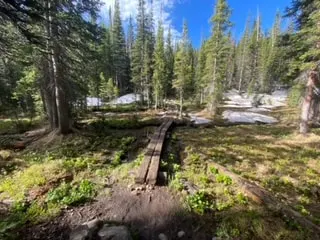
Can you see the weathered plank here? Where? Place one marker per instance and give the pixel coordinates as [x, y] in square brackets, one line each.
[155, 160]
[262, 196]
[143, 170]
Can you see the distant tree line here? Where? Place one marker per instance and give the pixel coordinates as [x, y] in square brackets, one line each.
[54, 54]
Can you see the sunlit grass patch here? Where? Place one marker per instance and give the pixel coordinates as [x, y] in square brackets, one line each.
[16, 187]
[275, 157]
[13, 125]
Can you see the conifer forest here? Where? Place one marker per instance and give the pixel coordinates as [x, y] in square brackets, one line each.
[121, 126]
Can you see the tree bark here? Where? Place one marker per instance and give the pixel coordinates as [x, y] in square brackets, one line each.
[311, 99]
[54, 93]
[181, 103]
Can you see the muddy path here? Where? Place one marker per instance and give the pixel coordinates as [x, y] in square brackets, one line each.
[147, 213]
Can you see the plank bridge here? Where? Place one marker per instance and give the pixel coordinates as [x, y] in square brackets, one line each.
[148, 171]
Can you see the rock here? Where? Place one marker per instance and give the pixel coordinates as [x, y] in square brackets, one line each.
[181, 234]
[131, 187]
[162, 237]
[135, 192]
[8, 202]
[114, 233]
[93, 225]
[80, 233]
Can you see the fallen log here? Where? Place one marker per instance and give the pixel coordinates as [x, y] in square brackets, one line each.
[262, 196]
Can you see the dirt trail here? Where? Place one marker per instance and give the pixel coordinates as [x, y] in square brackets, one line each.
[148, 214]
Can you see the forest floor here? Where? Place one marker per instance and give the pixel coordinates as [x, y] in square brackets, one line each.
[56, 184]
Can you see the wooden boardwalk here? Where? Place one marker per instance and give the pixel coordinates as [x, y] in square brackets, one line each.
[149, 168]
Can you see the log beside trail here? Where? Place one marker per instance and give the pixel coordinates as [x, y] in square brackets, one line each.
[262, 196]
[152, 155]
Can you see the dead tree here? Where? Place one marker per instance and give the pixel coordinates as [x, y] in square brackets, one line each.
[310, 106]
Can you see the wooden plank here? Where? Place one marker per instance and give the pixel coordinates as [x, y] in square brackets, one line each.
[155, 160]
[143, 170]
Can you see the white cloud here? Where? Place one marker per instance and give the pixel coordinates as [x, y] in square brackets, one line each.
[162, 9]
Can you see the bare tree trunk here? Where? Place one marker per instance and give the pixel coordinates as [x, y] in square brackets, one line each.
[181, 103]
[48, 80]
[55, 97]
[311, 98]
[213, 100]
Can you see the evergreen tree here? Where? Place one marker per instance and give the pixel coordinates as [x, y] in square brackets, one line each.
[304, 42]
[142, 54]
[138, 52]
[159, 73]
[254, 56]
[148, 56]
[243, 57]
[200, 73]
[231, 62]
[169, 68]
[182, 67]
[120, 58]
[108, 89]
[311, 57]
[130, 38]
[217, 58]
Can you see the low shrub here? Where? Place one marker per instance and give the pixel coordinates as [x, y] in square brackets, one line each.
[201, 202]
[67, 194]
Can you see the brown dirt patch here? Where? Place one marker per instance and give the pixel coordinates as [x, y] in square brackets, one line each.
[147, 214]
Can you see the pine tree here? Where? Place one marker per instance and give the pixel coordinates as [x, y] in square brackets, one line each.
[142, 54]
[231, 62]
[120, 58]
[200, 73]
[108, 89]
[217, 50]
[159, 73]
[271, 64]
[138, 52]
[243, 57]
[182, 67]
[311, 57]
[305, 41]
[169, 61]
[254, 55]
[148, 56]
[130, 38]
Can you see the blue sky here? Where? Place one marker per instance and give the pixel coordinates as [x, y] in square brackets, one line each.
[198, 12]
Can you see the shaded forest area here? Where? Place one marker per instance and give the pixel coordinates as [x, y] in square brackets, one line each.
[65, 161]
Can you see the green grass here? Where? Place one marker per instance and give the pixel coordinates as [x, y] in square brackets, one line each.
[68, 194]
[274, 156]
[18, 185]
[21, 125]
[89, 160]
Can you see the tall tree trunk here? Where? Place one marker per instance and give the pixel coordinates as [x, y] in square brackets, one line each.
[56, 101]
[181, 103]
[48, 79]
[311, 98]
[212, 102]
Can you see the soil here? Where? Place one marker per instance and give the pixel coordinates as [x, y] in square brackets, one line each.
[146, 213]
